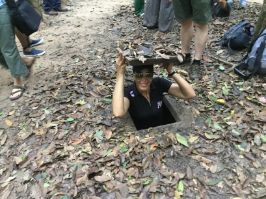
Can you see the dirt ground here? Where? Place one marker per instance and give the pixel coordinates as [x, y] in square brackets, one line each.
[257, 1]
[60, 140]
[60, 32]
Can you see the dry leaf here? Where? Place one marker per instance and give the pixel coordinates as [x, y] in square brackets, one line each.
[8, 122]
[24, 134]
[82, 180]
[40, 131]
[153, 146]
[20, 159]
[108, 133]
[106, 176]
[260, 177]
[5, 193]
[7, 181]
[132, 172]
[3, 139]
[11, 113]
[193, 139]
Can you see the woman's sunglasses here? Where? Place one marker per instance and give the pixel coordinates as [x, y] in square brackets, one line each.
[143, 75]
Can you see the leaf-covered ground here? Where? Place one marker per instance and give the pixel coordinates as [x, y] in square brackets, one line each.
[61, 141]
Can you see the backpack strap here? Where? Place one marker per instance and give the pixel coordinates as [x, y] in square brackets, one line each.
[242, 68]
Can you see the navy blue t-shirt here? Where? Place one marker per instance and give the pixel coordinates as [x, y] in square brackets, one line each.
[147, 114]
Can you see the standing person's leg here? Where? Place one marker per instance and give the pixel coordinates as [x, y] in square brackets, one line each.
[8, 46]
[27, 44]
[183, 14]
[57, 6]
[139, 6]
[166, 16]
[2, 60]
[201, 37]
[201, 18]
[9, 53]
[48, 7]
[186, 35]
[151, 13]
[23, 39]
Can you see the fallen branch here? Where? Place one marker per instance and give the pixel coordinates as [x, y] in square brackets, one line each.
[225, 62]
[221, 60]
[37, 72]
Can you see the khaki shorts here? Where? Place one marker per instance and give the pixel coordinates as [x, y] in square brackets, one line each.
[198, 10]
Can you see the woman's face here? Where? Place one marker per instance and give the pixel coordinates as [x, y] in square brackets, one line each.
[143, 81]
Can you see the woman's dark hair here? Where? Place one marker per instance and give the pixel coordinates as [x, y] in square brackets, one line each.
[140, 69]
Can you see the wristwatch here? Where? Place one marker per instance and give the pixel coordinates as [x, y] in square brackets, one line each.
[171, 74]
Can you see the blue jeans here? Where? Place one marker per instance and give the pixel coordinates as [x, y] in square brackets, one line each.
[49, 5]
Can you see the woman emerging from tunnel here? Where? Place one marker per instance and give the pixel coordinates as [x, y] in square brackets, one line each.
[143, 99]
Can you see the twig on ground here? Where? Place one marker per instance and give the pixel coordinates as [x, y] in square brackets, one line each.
[221, 60]
[37, 72]
[225, 62]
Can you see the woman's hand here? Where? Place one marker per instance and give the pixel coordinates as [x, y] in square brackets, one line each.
[120, 63]
[168, 68]
[120, 104]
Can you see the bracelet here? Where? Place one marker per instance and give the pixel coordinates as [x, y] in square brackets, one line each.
[171, 74]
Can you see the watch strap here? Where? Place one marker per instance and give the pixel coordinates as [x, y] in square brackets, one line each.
[171, 74]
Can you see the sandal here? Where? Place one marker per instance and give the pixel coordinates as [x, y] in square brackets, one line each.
[17, 92]
[186, 59]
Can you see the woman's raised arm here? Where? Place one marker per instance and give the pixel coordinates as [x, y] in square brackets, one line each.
[181, 88]
[120, 104]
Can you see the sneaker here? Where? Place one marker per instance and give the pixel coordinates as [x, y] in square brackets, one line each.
[34, 53]
[52, 12]
[62, 10]
[150, 27]
[36, 42]
[196, 70]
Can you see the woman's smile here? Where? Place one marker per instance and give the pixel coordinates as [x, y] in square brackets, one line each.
[143, 84]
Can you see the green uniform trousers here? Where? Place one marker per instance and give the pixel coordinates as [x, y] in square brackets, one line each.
[9, 55]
